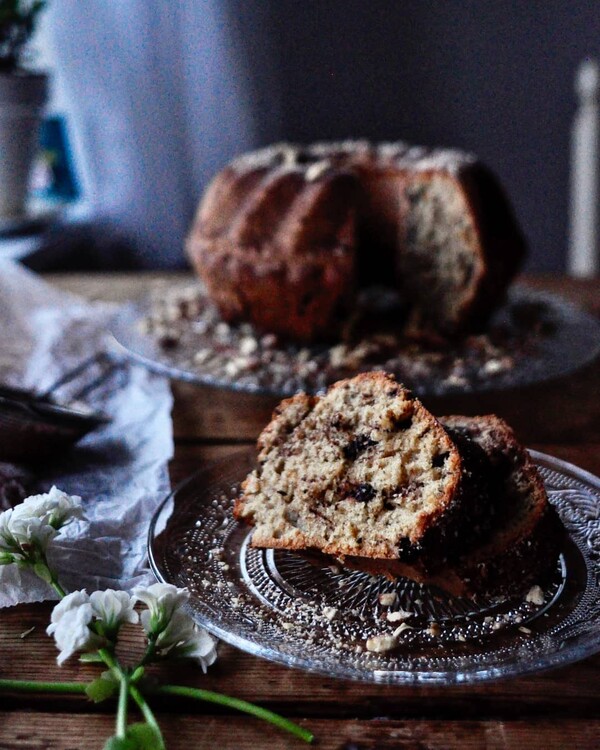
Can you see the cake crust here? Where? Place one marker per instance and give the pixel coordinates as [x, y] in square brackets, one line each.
[285, 236]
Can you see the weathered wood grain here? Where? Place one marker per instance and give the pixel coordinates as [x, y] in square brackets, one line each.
[572, 691]
[67, 732]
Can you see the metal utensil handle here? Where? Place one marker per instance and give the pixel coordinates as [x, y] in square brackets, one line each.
[100, 358]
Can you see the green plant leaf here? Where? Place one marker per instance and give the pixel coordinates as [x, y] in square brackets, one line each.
[139, 737]
[147, 737]
[100, 689]
[121, 743]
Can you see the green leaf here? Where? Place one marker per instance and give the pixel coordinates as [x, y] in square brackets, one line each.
[147, 737]
[100, 689]
[121, 743]
[139, 737]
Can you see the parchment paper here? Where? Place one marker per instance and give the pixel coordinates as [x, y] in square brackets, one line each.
[120, 470]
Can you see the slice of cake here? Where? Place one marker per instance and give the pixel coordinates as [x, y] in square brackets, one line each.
[367, 475]
[523, 543]
[364, 470]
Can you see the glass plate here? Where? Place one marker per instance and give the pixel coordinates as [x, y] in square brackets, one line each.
[534, 337]
[277, 605]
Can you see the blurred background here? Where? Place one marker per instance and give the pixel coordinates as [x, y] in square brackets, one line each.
[155, 96]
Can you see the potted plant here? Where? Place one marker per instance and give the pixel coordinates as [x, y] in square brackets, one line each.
[23, 94]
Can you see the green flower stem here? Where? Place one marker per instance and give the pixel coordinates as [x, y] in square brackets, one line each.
[121, 725]
[145, 709]
[58, 588]
[150, 651]
[110, 661]
[29, 686]
[238, 705]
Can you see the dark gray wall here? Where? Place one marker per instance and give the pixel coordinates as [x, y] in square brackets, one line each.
[492, 77]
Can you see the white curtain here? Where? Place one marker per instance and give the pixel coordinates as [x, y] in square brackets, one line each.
[159, 95]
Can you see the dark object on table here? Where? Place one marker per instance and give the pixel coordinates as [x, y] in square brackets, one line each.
[33, 428]
[15, 485]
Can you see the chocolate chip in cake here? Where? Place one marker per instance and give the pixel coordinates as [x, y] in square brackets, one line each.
[439, 460]
[357, 446]
[364, 492]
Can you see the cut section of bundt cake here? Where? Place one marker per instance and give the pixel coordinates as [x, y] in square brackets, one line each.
[363, 470]
[285, 236]
[365, 474]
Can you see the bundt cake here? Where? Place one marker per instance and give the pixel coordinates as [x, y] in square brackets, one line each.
[367, 475]
[285, 237]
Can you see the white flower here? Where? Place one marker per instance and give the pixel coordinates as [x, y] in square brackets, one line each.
[70, 625]
[36, 521]
[55, 508]
[18, 532]
[175, 632]
[113, 608]
[182, 638]
[31, 531]
[162, 600]
[7, 542]
[202, 648]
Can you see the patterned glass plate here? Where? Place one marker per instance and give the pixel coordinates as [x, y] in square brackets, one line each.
[277, 605]
[534, 337]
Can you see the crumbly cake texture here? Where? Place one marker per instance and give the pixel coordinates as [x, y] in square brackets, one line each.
[363, 470]
[366, 475]
[285, 236]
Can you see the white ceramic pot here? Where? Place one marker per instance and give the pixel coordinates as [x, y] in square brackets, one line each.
[22, 99]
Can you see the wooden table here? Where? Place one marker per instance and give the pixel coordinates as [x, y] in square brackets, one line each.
[557, 709]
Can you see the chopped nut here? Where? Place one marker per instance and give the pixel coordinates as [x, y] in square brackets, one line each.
[232, 369]
[379, 644]
[388, 600]
[397, 615]
[248, 345]
[457, 380]
[201, 356]
[330, 612]
[222, 330]
[525, 630]
[434, 629]
[493, 366]
[338, 354]
[535, 595]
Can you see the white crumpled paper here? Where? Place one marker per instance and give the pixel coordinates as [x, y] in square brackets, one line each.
[119, 470]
